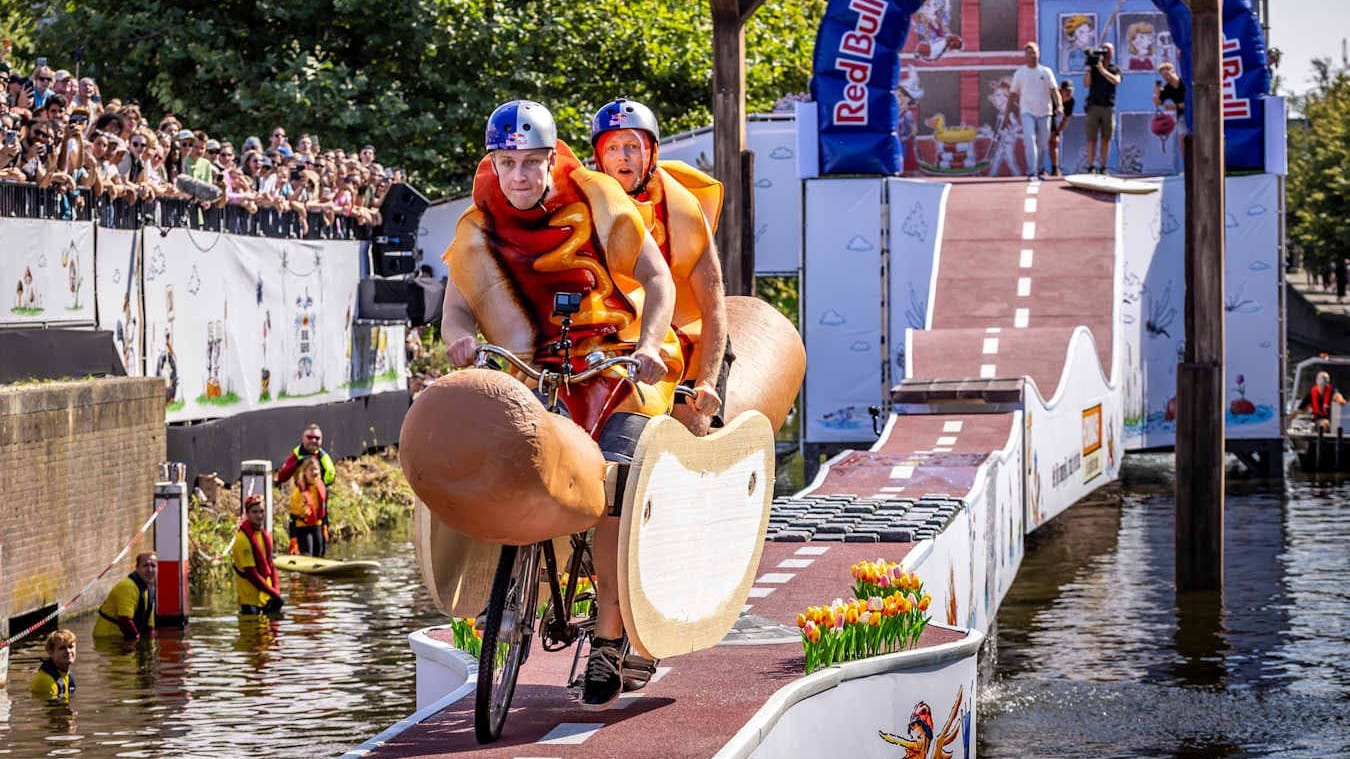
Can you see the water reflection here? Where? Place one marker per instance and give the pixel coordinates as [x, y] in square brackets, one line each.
[333, 670]
[1097, 657]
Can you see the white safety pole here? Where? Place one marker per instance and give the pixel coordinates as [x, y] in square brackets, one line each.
[171, 546]
[256, 478]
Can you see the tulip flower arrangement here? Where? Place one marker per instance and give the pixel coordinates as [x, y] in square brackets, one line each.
[468, 638]
[888, 614]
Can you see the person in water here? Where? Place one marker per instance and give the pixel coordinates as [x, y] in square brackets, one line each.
[53, 680]
[309, 510]
[255, 581]
[129, 610]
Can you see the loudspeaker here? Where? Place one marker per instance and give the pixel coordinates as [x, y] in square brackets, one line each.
[401, 217]
[394, 263]
[396, 237]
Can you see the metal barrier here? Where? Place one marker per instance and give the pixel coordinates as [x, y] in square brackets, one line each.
[28, 201]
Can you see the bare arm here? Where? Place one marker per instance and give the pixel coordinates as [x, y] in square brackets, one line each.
[459, 329]
[708, 291]
[651, 272]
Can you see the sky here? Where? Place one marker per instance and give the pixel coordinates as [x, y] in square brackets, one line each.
[1304, 30]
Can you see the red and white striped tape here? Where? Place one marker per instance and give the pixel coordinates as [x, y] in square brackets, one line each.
[120, 555]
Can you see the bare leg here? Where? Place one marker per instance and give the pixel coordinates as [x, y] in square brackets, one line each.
[1091, 151]
[605, 551]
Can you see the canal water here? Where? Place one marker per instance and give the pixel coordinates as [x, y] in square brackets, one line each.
[1096, 658]
[333, 672]
[1093, 658]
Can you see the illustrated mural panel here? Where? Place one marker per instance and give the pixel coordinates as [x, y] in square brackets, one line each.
[48, 270]
[117, 277]
[1153, 302]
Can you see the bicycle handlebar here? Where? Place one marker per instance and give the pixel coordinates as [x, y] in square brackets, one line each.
[589, 373]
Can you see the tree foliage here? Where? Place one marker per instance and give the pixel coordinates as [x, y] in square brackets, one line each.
[1319, 169]
[416, 78]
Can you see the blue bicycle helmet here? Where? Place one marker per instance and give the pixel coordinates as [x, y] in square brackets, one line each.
[520, 125]
[622, 113]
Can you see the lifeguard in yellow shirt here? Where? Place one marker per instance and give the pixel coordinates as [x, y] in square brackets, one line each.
[53, 681]
[129, 610]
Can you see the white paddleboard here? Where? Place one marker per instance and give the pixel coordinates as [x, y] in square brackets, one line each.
[1108, 183]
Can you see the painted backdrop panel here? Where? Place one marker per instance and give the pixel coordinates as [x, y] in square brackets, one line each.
[117, 277]
[841, 310]
[47, 271]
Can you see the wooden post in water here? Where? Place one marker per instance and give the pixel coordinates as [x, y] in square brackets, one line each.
[1200, 379]
[729, 17]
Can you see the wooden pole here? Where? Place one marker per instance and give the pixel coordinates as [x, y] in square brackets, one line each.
[729, 17]
[1200, 379]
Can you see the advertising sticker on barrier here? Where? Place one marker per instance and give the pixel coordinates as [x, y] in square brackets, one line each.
[47, 272]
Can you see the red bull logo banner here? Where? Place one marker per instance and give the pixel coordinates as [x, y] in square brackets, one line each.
[1245, 77]
[855, 73]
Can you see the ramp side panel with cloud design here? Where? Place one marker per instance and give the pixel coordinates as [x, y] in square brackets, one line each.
[842, 308]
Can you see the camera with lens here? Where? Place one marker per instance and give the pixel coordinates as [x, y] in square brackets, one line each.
[566, 304]
[1093, 55]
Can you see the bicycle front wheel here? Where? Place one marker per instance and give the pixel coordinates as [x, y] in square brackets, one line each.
[506, 637]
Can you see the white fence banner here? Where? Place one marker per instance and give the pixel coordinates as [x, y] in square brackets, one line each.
[778, 191]
[242, 323]
[47, 270]
[117, 278]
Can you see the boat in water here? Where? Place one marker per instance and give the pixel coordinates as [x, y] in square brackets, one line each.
[1320, 448]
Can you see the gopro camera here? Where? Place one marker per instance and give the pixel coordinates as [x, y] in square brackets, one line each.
[566, 304]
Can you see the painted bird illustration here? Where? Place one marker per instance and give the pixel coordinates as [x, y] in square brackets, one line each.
[919, 742]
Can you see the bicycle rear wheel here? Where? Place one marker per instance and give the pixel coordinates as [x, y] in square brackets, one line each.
[506, 637]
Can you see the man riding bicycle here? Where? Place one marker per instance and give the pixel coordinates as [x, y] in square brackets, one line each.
[679, 205]
[542, 226]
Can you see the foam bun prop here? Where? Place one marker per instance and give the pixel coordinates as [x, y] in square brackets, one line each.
[199, 190]
[480, 450]
[770, 360]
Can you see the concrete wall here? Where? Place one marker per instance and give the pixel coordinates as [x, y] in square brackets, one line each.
[78, 463]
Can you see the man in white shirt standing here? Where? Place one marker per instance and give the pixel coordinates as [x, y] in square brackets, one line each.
[1036, 95]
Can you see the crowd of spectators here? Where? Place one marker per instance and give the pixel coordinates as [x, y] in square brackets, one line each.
[60, 133]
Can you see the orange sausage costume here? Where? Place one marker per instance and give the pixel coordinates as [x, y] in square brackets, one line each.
[680, 207]
[508, 264]
[510, 257]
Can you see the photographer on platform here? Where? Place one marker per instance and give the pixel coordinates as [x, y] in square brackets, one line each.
[1101, 78]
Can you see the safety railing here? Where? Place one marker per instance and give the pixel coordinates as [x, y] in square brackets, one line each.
[28, 201]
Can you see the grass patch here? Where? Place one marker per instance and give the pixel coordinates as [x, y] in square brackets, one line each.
[283, 394]
[24, 311]
[224, 399]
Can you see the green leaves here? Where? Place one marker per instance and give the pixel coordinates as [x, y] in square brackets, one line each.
[417, 78]
[1319, 162]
